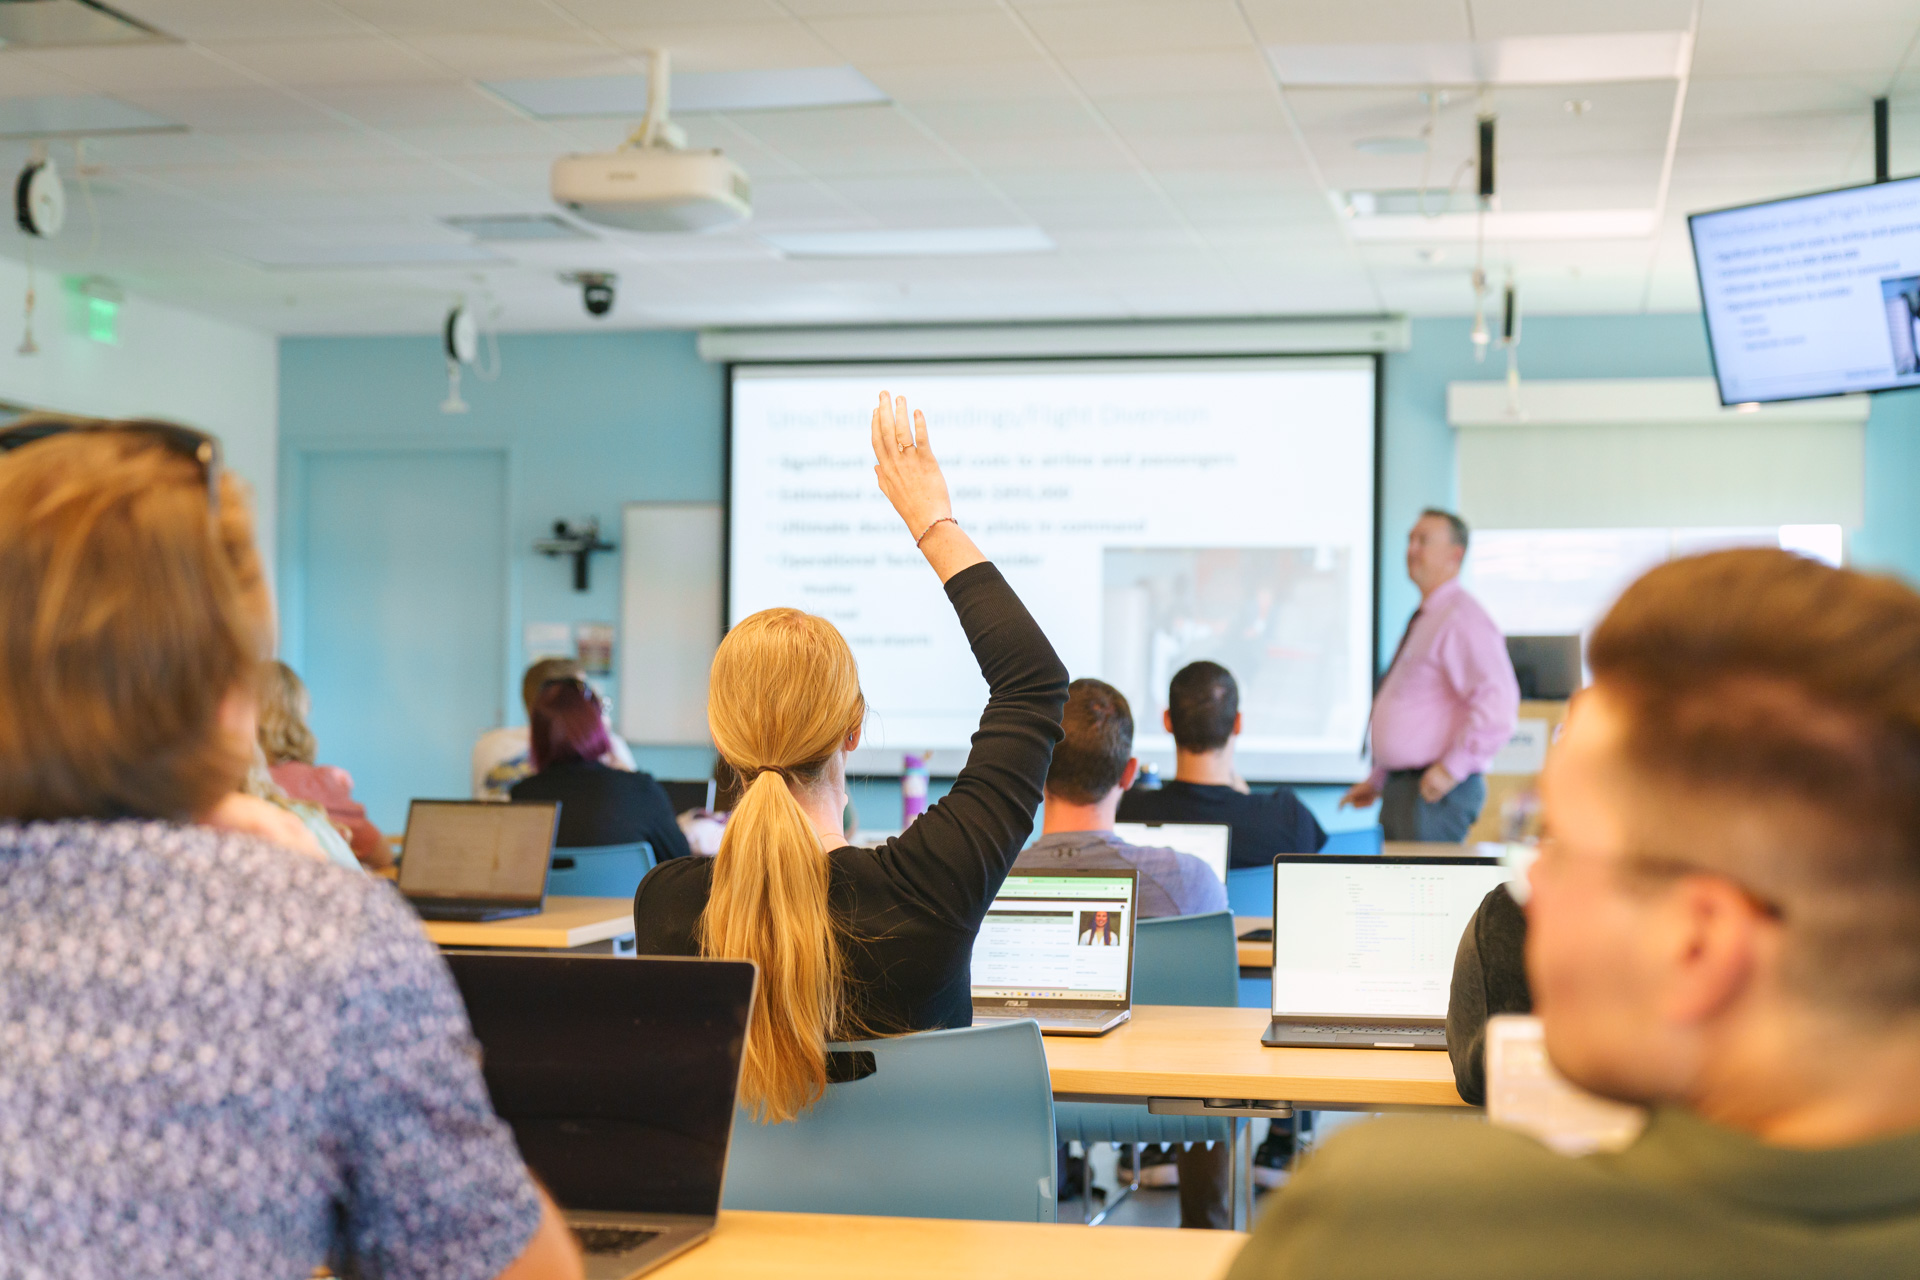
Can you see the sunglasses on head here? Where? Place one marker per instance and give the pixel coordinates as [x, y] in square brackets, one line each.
[196, 446]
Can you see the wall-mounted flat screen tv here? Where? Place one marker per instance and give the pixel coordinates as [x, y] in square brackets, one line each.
[1815, 295]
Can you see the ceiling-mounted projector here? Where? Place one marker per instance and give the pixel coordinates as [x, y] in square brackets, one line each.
[652, 183]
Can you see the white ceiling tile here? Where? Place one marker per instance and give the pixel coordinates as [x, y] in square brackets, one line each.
[1498, 19]
[253, 19]
[1173, 74]
[335, 60]
[503, 55]
[1831, 44]
[738, 47]
[1093, 30]
[223, 110]
[450, 15]
[979, 83]
[945, 36]
[413, 104]
[126, 69]
[1317, 22]
[22, 77]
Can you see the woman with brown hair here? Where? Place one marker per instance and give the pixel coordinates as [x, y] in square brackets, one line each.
[290, 750]
[857, 942]
[233, 1060]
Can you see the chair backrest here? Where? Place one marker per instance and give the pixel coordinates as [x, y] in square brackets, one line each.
[1250, 890]
[1361, 840]
[950, 1124]
[1192, 960]
[601, 871]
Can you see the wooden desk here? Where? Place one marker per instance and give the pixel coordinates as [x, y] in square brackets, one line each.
[1173, 1052]
[567, 924]
[750, 1246]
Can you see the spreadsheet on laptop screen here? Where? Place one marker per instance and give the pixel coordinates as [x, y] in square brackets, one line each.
[1373, 936]
[1055, 938]
[1207, 841]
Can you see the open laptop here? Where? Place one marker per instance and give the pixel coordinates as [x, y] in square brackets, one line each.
[477, 860]
[1364, 944]
[619, 1077]
[1057, 947]
[1210, 842]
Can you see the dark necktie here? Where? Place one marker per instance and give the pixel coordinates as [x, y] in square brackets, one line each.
[1366, 739]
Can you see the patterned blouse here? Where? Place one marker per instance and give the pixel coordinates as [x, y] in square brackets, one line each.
[219, 1058]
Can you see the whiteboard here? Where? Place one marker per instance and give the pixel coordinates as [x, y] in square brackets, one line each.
[670, 619]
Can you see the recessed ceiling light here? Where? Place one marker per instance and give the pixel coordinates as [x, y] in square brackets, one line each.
[1390, 146]
[85, 115]
[516, 226]
[779, 88]
[925, 242]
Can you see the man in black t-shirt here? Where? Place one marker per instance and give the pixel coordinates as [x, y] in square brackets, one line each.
[1203, 715]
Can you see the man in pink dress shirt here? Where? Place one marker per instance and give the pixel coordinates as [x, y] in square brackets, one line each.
[1449, 702]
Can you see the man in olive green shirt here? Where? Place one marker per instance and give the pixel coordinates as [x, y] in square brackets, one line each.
[1723, 927]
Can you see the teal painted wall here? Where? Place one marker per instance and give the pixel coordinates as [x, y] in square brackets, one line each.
[591, 421]
[588, 422]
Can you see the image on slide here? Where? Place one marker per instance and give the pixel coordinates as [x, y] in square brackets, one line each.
[1902, 297]
[1277, 617]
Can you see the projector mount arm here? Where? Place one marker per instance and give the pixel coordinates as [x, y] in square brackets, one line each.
[656, 130]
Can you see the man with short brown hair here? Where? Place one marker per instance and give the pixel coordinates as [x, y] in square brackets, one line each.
[1724, 927]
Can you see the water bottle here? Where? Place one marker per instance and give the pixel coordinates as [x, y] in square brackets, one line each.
[913, 787]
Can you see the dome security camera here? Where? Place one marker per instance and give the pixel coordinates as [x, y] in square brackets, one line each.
[596, 290]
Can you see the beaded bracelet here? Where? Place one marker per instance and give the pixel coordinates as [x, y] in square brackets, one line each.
[935, 525]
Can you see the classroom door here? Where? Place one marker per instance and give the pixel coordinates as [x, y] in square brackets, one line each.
[404, 617]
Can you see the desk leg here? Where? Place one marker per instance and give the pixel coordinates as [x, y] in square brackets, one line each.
[1241, 1184]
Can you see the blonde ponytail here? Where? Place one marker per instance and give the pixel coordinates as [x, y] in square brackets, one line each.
[784, 696]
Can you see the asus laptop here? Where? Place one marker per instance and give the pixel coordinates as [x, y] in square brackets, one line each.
[1208, 841]
[1363, 946]
[619, 1077]
[1057, 947]
[476, 860]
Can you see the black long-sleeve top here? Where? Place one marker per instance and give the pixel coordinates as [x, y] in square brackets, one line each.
[1489, 978]
[908, 910]
[601, 805]
[1263, 823]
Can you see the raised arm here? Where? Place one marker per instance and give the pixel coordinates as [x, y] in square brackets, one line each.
[955, 856]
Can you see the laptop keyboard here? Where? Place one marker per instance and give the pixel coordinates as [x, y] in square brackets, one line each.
[606, 1240]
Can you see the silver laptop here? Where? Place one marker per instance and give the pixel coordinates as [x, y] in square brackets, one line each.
[619, 1077]
[476, 860]
[1363, 946]
[1211, 842]
[1057, 947]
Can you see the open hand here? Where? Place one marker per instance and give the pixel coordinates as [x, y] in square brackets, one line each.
[905, 466]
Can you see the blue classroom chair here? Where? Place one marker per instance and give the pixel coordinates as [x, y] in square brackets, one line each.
[600, 871]
[1190, 960]
[950, 1124]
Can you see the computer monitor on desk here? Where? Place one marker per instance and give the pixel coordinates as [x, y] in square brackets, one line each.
[1546, 667]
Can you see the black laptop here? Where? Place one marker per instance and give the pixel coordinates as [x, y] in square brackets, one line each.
[619, 1077]
[477, 860]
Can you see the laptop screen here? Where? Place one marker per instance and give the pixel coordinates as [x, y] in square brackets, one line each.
[1207, 841]
[618, 1075]
[1372, 935]
[1058, 936]
[467, 850]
